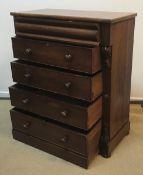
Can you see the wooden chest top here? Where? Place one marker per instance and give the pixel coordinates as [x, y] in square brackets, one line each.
[76, 15]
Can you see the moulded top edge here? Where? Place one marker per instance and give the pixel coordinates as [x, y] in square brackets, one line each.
[77, 15]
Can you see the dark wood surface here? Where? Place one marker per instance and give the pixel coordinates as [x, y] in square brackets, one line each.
[77, 15]
[51, 148]
[61, 55]
[100, 45]
[79, 33]
[81, 87]
[90, 34]
[71, 140]
[71, 112]
[57, 39]
[121, 73]
[83, 144]
[116, 83]
[124, 131]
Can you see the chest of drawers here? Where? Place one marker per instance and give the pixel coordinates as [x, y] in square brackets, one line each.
[72, 77]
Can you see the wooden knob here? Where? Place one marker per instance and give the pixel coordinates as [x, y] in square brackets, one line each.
[26, 125]
[64, 139]
[107, 62]
[64, 113]
[106, 51]
[68, 85]
[106, 96]
[25, 101]
[27, 76]
[68, 57]
[28, 51]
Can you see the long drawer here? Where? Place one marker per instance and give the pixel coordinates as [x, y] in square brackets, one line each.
[78, 86]
[83, 59]
[72, 112]
[68, 31]
[52, 148]
[69, 139]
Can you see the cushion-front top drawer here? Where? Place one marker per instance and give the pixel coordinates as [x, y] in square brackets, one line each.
[78, 86]
[59, 30]
[53, 133]
[83, 59]
[69, 111]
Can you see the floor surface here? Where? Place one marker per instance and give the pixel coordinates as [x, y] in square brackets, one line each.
[17, 158]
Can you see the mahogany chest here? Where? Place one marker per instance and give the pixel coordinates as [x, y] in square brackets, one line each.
[72, 74]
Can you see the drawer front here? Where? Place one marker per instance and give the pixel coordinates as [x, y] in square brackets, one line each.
[65, 56]
[59, 110]
[56, 81]
[76, 32]
[53, 133]
[51, 148]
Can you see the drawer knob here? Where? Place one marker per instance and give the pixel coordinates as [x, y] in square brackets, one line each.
[68, 57]
[25, 101]
[107, 62]
[26, 125]
[64, 113]
[64, 139]
[28, 51]
[106, 96]
[68, 85]
[106, 51]
[27, 76]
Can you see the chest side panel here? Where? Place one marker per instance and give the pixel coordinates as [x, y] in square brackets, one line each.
[122, 45]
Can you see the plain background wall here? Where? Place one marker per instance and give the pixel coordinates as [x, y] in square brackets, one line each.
[7, 31]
